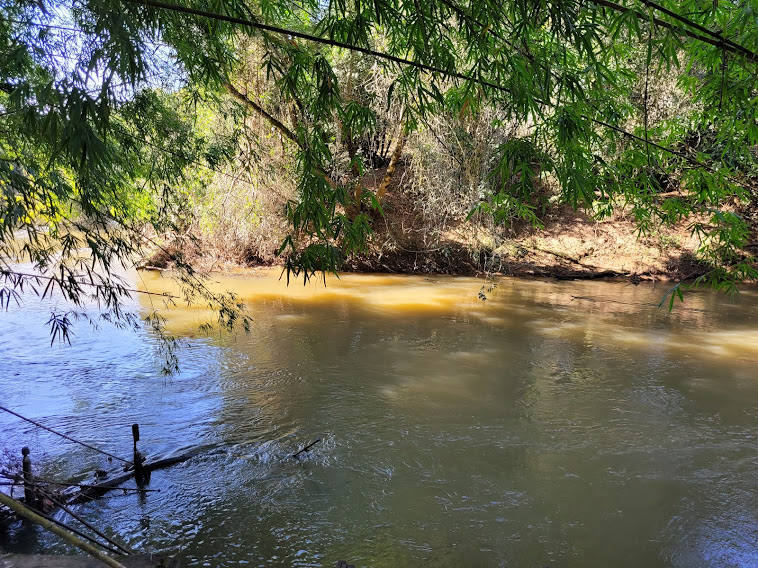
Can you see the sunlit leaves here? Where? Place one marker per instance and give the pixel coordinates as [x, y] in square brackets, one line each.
[88, 164]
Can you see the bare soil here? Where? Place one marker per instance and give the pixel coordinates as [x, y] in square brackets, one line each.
[570, 245]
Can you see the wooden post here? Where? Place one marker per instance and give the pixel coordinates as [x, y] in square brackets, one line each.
[139, 472]
[30, 495]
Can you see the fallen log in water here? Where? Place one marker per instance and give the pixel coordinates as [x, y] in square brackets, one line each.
[84, 493]
[166, 462]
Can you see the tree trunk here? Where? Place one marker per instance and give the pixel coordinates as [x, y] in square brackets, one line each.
[278, 124]
[392, 166]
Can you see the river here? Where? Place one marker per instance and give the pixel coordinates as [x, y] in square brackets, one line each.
[570, 424]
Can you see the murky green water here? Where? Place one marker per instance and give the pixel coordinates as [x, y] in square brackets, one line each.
[555, 424]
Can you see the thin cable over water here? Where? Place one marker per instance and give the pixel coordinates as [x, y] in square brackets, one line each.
[65, 436]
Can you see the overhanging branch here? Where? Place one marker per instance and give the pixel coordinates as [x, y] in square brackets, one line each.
[423, 66]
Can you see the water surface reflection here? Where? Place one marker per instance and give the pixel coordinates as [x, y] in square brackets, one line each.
[566, 424]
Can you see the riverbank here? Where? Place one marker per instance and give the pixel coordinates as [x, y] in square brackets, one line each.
[570, 244]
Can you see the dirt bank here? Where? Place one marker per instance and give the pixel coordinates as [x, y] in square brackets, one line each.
[569, 245]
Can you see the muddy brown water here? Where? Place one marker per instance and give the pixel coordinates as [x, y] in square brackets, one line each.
[571, 424]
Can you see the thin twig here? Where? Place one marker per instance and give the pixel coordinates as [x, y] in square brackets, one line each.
[28, 276]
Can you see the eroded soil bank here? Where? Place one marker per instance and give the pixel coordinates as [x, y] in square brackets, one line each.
[570, 244]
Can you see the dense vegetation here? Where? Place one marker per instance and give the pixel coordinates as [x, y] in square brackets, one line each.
[131, 126]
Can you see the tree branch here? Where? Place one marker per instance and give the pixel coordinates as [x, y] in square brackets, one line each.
[717, 39]
[278, 124]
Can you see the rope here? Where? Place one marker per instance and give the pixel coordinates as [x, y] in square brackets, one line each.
[69, 438]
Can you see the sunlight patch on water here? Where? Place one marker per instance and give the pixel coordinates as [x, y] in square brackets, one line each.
[381, 294]
[291, 317]
[467, 356]
[494, 321]
[734, 343]
[550, 309]
[717, 344]
[725, 539]
[558, 329]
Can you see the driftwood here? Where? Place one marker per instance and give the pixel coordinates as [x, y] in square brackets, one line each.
[89, 492]
[84, 494]
[166, 462]
[22, 510]
[55, 561]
